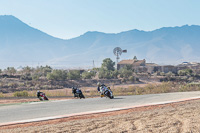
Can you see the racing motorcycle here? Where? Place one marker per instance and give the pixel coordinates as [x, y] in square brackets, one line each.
[43, 97]
[78, 93]
[108, 93]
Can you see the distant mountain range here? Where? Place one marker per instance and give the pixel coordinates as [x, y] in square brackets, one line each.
[22, 45]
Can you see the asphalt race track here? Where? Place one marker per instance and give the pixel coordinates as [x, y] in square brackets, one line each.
[34, 110]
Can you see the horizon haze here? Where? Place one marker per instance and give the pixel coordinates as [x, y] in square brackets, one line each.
[23, 45]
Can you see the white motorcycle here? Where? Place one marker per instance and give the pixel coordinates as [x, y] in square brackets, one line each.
[106, 91]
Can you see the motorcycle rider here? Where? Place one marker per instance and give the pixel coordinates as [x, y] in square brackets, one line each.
[41, 96]
[38, 94]
[74, 91]
[77, 92]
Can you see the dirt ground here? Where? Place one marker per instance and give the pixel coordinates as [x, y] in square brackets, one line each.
[180, 117]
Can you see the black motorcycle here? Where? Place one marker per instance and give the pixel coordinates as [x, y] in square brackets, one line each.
[77, 93]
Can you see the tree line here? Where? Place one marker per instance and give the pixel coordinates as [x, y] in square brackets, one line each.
[106, 71]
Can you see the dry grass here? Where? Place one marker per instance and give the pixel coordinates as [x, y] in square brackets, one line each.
[165, 87]
[134, 89]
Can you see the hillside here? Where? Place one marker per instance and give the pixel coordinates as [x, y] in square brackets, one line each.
[25, 45]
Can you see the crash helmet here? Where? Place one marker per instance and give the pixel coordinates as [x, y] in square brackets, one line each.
[99, 84]
[38, 91]
[73, 88]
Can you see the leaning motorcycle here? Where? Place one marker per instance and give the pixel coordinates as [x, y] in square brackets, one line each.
[108, 93]
[43, 97]
[79, 94]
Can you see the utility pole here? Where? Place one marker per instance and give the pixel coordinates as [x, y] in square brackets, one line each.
[93, 64]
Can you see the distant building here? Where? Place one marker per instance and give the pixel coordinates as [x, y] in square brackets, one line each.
[168, 68]
[152, 67]
[134, 62]
[139, 65]
[189, 65]
[142, 66]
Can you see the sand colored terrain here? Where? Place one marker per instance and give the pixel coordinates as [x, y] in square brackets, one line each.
[180, 117]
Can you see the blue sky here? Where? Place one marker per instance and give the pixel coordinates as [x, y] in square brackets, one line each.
[71, 18]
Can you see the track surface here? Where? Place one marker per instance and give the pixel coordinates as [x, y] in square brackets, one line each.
[63, 107]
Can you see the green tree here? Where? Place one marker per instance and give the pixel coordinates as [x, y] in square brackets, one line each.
[107, 74]
[128, 67]
[181, 73]
[40, 72]
[45, 70]
[57, 75]
[74, 74]
[88, 75]
[124, 73]
[11, 70]
[169, 75]
[185, 72]
[114, 74]
[135, 58]
[35, 76]
[108, 64]
[26, 70]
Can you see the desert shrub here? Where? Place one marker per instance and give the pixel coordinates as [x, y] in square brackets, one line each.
[57, 75]
[26, 77]
[162, 74]
[197, 84]
[148, 89]
[185, 72]
[43, 71]
[124, 73]
[88, 75]
[46, 70]
[123, 80]
[35, 76]
[10, 70]
[1, 94]
[107, 74]
[27, 70]
[114, 74]
[74, 74]
[139, 91]
[21, 84]
[21, 94]
[170, 76]
[46, 87]
[132, 78]
[13, 85]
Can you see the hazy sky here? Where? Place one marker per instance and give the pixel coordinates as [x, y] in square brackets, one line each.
[71, 18]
